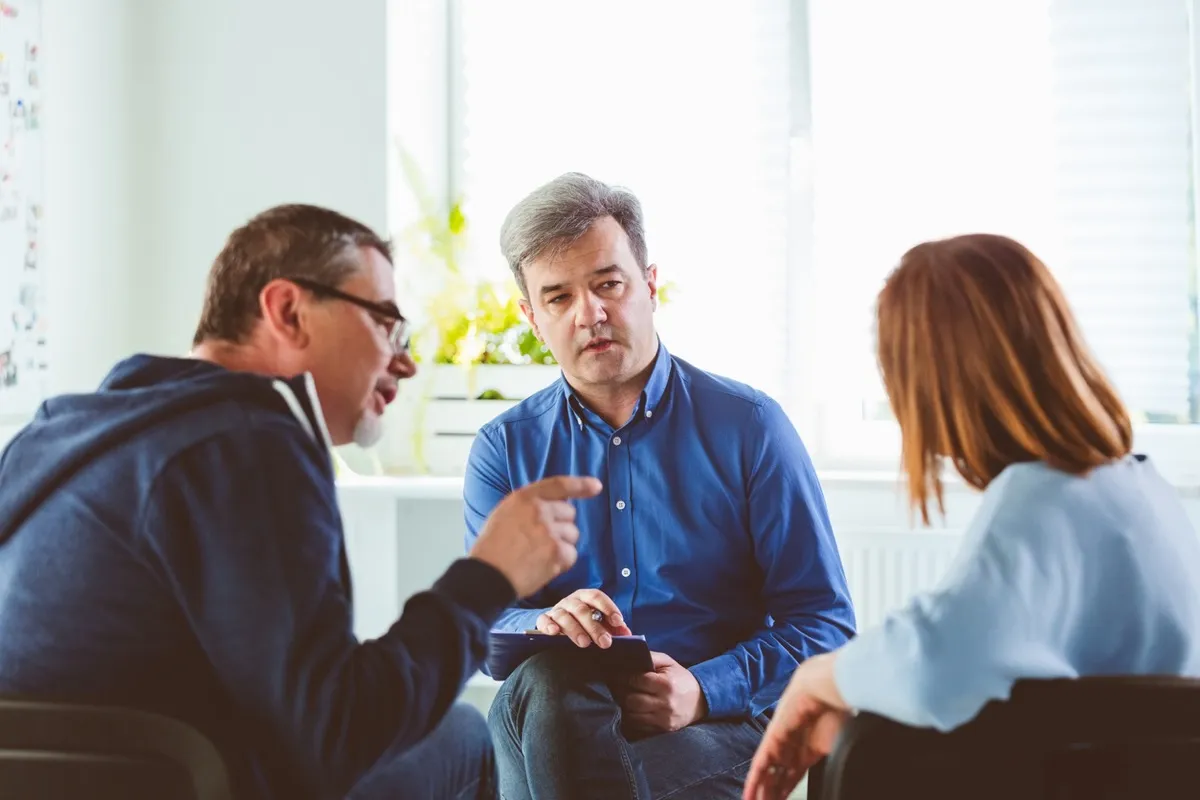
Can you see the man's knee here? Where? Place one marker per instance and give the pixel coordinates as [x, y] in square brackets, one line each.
[455, 758]
[545, 672]
[540, 680]
[465, 728]
[545, 689]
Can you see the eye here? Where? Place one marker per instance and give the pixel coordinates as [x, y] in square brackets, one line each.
[610, 284]
[556, 299]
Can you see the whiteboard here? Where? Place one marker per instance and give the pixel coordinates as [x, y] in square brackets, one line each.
[23, 364]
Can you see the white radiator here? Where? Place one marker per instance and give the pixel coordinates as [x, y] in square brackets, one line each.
[886, 568]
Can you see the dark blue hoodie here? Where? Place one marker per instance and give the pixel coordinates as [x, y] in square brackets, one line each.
[172, 542]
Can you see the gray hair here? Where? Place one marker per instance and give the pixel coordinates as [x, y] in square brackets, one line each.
[557, 214]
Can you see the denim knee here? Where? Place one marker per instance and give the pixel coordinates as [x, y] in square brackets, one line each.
[456, 760]
[540, 679]
[465, 725]
[545, 673]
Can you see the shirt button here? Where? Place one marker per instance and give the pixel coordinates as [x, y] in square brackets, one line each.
[616, 440]
[625, 573]
[620, 505]
[649, 413]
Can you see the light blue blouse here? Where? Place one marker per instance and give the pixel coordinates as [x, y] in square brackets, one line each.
[1059, 576]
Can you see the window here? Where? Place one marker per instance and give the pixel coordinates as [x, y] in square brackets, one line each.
[787, 152]
[1066, 124]
[685, 104]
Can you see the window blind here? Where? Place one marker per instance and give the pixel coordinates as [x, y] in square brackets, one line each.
[1062, 123]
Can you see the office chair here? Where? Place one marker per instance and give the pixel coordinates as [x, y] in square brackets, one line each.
[59, 750]
[1094, 738]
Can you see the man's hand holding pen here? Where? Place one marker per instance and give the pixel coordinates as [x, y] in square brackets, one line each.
[587, 616]
[667, 699]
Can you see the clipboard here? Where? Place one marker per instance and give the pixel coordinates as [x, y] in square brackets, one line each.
[628, 655]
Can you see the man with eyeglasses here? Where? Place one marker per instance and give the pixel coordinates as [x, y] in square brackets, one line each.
[172, 542]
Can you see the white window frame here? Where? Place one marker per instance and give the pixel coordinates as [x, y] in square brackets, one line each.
[838, 438]
[423, 104]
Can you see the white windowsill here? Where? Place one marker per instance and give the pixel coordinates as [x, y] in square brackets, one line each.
[450, 487]
[416, 487]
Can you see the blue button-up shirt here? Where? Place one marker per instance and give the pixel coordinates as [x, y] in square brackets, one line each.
[711, 534]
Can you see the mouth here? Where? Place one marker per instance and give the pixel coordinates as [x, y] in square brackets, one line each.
[598, 345]
[384, 395]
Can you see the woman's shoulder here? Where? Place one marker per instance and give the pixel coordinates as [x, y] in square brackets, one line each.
[1039, 504]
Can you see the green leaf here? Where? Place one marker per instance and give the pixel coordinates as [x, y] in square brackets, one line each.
[457, 223]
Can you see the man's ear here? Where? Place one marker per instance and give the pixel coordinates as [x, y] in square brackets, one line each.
[652, 282]
[527, 310]
[284, 312]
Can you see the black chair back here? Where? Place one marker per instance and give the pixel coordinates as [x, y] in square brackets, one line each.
[1094, 738]
[66, 751]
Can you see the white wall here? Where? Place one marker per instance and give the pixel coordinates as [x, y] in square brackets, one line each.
[89, 187]
[89, 223]
[170, 122]
[244, 105]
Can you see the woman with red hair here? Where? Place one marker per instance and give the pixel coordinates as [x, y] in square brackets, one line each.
[1080, 560]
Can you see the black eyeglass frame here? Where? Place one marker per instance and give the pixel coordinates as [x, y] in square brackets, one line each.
[400, 332]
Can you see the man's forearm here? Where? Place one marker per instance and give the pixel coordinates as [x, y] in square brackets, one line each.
[734, 682]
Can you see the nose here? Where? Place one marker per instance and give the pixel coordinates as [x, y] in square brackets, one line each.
[403, 366]
[589, 311]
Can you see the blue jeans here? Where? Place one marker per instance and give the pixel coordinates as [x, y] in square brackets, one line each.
[558, 734]
[454, 762]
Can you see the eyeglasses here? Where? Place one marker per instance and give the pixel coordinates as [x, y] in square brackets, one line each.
[399, 330]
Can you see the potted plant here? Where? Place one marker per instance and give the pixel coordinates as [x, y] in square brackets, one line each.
[485, 359]
[477, 354]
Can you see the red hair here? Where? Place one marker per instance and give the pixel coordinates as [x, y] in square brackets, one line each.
[983, 364]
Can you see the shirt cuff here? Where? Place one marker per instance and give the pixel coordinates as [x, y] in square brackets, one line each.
[478, 587]
[519, 620]
[724, 685]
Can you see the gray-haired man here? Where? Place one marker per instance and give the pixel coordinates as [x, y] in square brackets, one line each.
[711, 537]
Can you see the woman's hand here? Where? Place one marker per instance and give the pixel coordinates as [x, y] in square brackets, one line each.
[801, 733]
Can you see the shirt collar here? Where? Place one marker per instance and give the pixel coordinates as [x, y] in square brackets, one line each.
[656, 387]
[652, 395]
